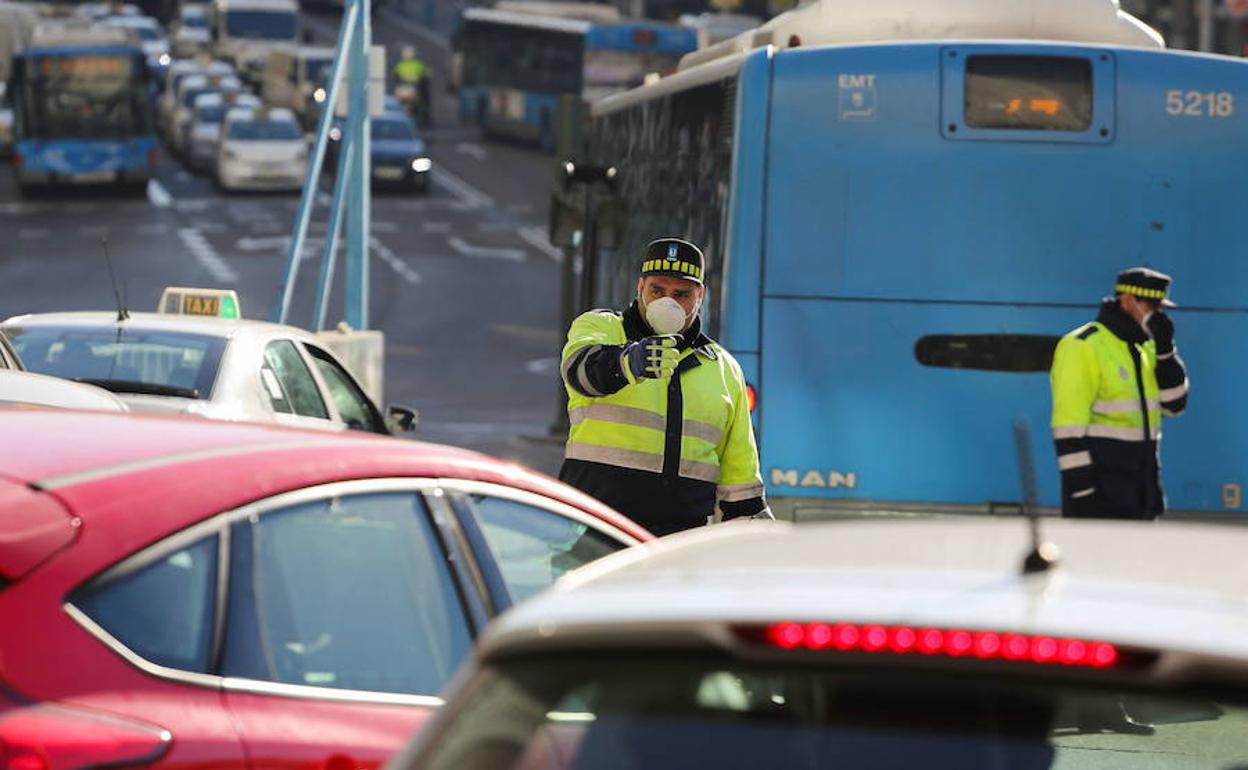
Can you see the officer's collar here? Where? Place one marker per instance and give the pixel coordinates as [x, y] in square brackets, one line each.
[1122, 325]
[635, 328]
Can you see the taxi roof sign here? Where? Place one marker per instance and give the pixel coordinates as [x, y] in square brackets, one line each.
[181, 300]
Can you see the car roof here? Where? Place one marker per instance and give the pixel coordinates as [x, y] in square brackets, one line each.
[218, 465]
[208, 325]
[1156, 585]
[40, 389]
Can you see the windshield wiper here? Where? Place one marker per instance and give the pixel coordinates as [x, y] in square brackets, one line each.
[140, 388]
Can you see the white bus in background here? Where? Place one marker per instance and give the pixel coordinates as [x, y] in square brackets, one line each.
[245, 32]
[714, 27]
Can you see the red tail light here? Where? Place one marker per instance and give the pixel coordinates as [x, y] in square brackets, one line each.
[18, 160]
[751, 396]
[50, 737]
[954, 643]
[153, 157]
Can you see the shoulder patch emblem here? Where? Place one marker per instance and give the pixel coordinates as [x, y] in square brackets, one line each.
[1088, 332]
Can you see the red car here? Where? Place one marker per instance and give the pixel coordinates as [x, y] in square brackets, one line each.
[179, 593]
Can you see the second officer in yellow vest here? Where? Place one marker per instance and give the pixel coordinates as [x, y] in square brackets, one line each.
[1112, 381]
[660, 423]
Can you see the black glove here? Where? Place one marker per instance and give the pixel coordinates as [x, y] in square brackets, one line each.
[1162, 329]
[653, 358]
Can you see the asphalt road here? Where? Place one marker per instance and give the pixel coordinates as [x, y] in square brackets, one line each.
[463, 282]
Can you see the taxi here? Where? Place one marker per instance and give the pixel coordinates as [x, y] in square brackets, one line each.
[871, 644]
[199, 356]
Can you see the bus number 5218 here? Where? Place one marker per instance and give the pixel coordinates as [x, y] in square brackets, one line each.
[1219, 104]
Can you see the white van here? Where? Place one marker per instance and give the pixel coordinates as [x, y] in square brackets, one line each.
[245, 32]
[295, 78]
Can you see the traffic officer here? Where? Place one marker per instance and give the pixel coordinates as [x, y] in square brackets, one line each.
[411, 81]
[660, 424]
[1112, 380]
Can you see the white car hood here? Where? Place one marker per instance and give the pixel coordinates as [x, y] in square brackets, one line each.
[276, 151]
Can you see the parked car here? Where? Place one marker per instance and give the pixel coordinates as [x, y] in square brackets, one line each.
[184, 593]
[886, 644]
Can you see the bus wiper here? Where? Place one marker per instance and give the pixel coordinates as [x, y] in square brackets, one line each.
[140, 388]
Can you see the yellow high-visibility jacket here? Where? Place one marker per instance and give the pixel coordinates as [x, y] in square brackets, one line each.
[662, 451]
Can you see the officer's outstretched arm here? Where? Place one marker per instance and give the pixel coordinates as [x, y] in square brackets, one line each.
[1075, 379]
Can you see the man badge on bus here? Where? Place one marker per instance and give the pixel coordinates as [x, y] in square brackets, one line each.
[1113, 379]
[660, 420]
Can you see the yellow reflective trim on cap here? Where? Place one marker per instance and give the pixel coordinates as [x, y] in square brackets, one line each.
[1139, 291]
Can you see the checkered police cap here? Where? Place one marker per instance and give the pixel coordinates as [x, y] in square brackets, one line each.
[1145, 284]
[674, 257]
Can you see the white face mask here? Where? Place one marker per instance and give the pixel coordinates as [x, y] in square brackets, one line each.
[666, 316]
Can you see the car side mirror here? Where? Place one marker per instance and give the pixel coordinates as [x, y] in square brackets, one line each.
[401, 419]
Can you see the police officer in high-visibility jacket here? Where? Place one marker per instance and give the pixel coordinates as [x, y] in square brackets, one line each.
[1112, 381]
[660, 421]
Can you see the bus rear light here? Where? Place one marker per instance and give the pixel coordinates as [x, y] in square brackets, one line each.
[952, 643]
[49, 737]
[751, 396]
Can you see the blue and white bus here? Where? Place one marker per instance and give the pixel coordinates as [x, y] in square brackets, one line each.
[82, 110]
[514, 65]
[899, 230]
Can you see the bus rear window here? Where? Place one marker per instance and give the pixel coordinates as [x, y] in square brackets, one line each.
[1051, 93]
[988, 352]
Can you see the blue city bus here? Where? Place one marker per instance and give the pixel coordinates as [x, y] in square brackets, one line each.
[82, 109]
[513, 66]
[899, 231]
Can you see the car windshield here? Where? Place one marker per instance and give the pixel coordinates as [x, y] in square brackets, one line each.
[195, 22]
[260, 25]
[629, 713]
[126, 360]
[209, 114]
[392, 129]
[263, 130]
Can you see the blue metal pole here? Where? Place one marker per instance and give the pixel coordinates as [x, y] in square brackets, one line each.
[330, 258]
[346, 34]
[358, 214]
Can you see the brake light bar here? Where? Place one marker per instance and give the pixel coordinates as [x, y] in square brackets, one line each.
[947, 642]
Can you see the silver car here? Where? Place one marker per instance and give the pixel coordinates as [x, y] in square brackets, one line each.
[222, 368]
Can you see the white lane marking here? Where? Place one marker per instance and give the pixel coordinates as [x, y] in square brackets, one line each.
[17, 208]
[193, 204]
[264, 244]
[436, 227]
[485, 252]
[384, 253]
[542, 366]
[468, 195]
[384, 227]
[33, 232]
[207, 256]
[156, 229]
[158, 195]
[490, 226]
[474, 151]
[209, 227]
[536, 237]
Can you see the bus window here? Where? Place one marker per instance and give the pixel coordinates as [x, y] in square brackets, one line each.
[989, 352]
